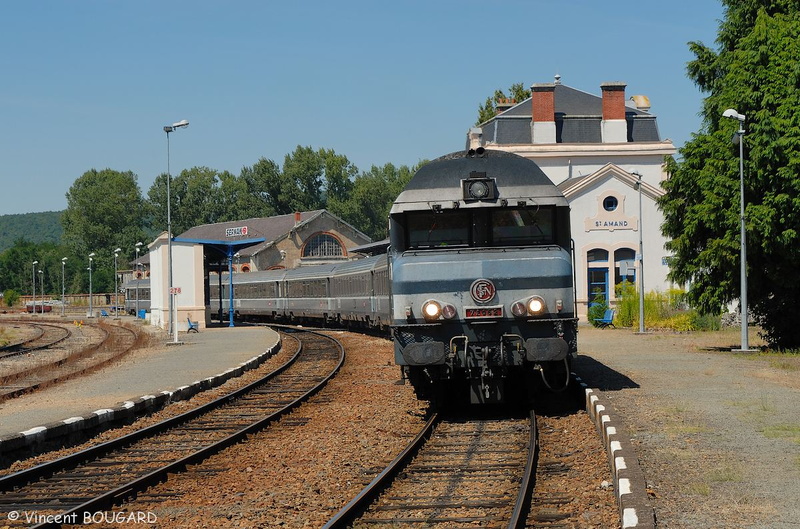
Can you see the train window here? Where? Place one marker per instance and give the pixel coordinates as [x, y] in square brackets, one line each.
[431, 230]
[522, 226]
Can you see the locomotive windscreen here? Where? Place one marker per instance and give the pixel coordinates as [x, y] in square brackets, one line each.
[429, 230]
[480, 228]
[522, 226]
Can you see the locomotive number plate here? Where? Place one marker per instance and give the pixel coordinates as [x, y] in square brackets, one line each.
[472, 313]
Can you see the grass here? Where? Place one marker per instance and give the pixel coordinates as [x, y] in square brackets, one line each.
[677, 424]
[723, 474]
[783, 431]
[726, 474]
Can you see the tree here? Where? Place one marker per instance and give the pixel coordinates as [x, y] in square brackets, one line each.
[105, 210]
[10, 297]
[309, 180]
[755, 70]
[368, 204]
[517, 92]
[263, 188]
[199, 195]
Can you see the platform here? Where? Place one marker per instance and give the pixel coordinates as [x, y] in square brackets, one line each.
[137, 381]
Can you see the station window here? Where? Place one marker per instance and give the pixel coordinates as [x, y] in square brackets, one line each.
[323, 245]
[610, 203]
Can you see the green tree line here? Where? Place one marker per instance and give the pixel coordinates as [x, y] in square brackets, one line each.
[755, 70]
[34, 227]
[106, 209]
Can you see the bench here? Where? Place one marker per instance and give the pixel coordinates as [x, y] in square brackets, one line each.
[607, 320]
[192, 326]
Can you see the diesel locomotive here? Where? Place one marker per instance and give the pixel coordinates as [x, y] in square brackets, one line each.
[482, 279]
[477, 288]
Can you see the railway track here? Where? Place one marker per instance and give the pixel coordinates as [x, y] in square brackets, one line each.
[467, 472]
[47, 335]
[107, 474]
[49, 366]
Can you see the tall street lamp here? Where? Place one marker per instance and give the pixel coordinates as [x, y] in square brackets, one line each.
[116, 288]
[170, 128]
[63, 283]
[33, 280]
[638, 186]
[732, 114]
[41, 283]
[91, 309]
[138, 247]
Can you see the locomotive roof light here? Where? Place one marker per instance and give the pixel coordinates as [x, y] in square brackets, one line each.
[478, 186]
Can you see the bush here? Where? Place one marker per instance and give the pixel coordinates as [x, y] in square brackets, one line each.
[627, 305]
[662, 311]
[10, 297]
[598, 309]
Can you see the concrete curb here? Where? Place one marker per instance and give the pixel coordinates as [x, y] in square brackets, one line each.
[125, 411]
[629, 481]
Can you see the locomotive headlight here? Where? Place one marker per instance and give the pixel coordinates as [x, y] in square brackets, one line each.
[449, 312]
[519, 309]
[536, 306]
[431, 310]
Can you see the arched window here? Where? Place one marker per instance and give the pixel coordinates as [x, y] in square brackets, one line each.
[323, 245]
[625, 266]
[597, 275]
[598, 254]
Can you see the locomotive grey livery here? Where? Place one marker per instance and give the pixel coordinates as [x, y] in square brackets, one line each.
[482, 283]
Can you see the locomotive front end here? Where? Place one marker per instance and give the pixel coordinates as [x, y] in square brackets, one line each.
[482, 291]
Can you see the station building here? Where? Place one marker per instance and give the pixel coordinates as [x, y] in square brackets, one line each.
[201, 254]
[603, 151]
[594, 147]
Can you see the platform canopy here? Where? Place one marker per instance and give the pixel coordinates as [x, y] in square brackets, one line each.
[226, 249]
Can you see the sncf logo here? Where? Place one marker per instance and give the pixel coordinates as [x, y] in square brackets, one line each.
[482, 290]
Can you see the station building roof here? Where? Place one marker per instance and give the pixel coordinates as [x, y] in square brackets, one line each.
[578, 117]
[250, 236]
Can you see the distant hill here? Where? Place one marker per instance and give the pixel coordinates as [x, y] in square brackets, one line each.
[34, 227]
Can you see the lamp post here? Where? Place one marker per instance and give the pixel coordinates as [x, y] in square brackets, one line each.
[63, 283]
[138, 247]
[638, 186]
[41, 283]
[91, 308]
[732, 114]
[116, 288]
[170, 128]
[33, 280]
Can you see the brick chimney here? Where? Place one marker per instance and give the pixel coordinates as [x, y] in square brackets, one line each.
[504, 104]
[614, 128]
[297, 217]
[543, 102]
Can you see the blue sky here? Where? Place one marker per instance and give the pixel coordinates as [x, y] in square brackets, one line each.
[90, 84]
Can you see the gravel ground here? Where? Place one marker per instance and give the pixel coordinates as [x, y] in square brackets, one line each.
[299, 472]
[717, 433]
